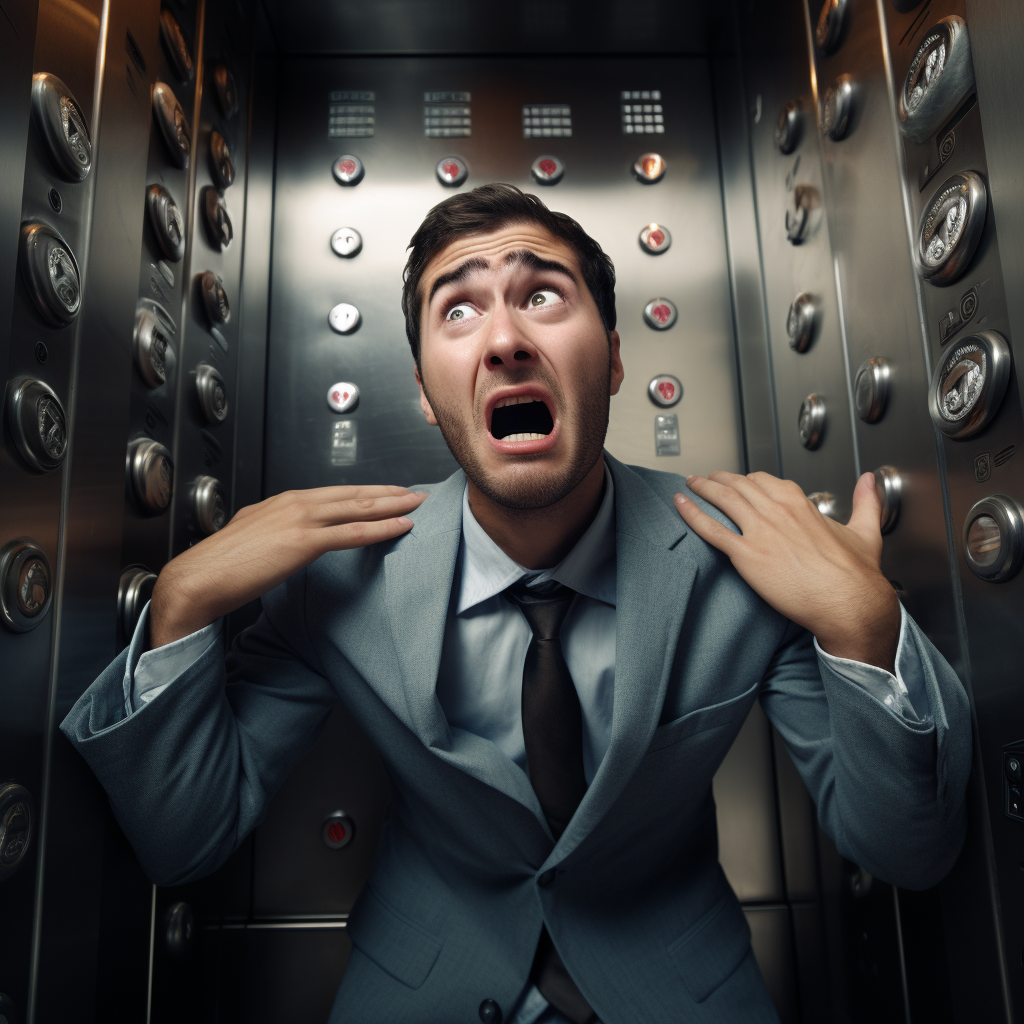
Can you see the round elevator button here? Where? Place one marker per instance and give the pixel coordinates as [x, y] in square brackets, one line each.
[16, 830]
[451, 171]
[209, 505]
[63, 125]
[830, 25]
[787, 128]
[951, 228]
[347, 170]
[993, 538]
[36, 423]
[346, 242]
[26, 585]
[800, 322]
[49, 268]
[133, 591]
[343, 396]
[889, 488]
[166, 221]
[344, 318]
[337, 830]
[665, 390]
[226, 90]
[151, 474]
[490, 1012]
[222, 167]
[177, 49]
[173, 124]
[871, 389]
[836, 108]
[655, 238]
[650, 167]
[969, 384]
[825, 502]
[215, 299]
[547, 170]
[811, 421]
[153, 349]
[217, 219]
[660, 314]
[940, 76]
[211, 394]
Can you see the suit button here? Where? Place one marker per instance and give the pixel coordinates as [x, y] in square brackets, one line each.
[547, 878]
[490, 1012]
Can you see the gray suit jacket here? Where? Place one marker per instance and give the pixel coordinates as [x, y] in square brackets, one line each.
[466, 870]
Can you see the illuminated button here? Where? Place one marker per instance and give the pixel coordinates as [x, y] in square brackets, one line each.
[654, 238]
[174, 40]
[787, 128]
[800, 323]
[166, 221]
[338, 830]
[348, 170]
[547, 170]
[811, 421]
[37, 424]
[227, 91]
[342, 397]
[665, 390]
[346, 242]
[451, 171]
[221, 164]
[836, 108]
[344, 318]
[650, 168]
[660, 314]
[173, 124]
[215, 299]
[217, 219]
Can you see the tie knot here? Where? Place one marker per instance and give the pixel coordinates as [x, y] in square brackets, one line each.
[544, 612]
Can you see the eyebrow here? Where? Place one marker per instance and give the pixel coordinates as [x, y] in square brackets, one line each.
[517, 258]
[458, 274]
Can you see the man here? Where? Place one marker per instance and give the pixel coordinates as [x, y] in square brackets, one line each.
[553, 652]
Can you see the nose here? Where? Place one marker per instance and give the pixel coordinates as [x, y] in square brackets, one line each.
[506, 344]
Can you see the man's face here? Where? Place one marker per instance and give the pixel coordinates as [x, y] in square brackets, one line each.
[515, 365]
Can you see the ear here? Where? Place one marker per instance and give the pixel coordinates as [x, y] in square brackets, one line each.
[424, 401]
[617, 371]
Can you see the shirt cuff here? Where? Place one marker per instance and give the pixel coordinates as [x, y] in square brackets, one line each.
[904, 693]
[148, 673]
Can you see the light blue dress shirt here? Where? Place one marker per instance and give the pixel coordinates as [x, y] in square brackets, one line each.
[480, 679]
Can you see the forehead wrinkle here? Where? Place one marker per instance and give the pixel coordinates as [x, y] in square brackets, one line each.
[460, 273]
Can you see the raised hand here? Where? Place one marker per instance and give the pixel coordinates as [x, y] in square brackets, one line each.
[821, 574]
[264, 544]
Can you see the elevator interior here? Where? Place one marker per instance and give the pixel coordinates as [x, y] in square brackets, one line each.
[204, 208]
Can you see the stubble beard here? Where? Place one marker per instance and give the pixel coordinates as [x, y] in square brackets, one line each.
[528, 485]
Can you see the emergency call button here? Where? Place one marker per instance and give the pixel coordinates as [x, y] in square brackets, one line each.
[655, 238]
[547, 170]
[348, 170]
[337, 830]
[451, 171]
[650, 168]
[660, 314]
[343, 396]
[665, 390]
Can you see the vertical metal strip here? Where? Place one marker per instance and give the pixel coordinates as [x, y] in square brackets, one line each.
[846, 362]
[152, 946]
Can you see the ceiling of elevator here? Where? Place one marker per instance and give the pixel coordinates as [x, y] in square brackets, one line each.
[512, 26]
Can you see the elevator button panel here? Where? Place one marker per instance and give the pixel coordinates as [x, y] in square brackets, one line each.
[660, 314]
[837, 107]
[134, 590]
[650, 167]
[211, 393]
[150, 475]
[346, 242]
[215, 299]
[63, 126]
[829, 30]
[969, 384]
[993, 538]
[343, 396]
[173, 124]
[655, 238]
[37, 424]
[222, 167]
[51, 273]
[217, 219]
[871, 389]
[167, 222]
[547, 170]
[209, 505]
[811, 421]
[941, 75]
[951, 228]
[347, 170]
[26, 585]
[452, 171]
[665, 390]
[788, 127]
[225, 90]
[800, 322]
[16, 826]
[344, 318]
[825, 502]
[889, 488]
[153, 349]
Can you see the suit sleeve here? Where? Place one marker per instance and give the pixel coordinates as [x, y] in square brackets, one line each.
[889, 785]
[190, 772]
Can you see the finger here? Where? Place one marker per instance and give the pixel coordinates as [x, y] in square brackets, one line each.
[785, 492]
[368, 509]
[705, 527]
[723, 497]
[323, 496]
[867, 510]
[749, 488]
[360, 534]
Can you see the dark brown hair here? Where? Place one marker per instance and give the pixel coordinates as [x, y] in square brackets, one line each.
[487, 209]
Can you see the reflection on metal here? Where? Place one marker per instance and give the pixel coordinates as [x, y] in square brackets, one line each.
[798, 213]
[211, 393]
[216, 218]
[665, 390]
[811, 421]
[63, 126]
[547, 170]
[36, 424]
[660, 314]
[829, 29]
[222, 166]
[451, 170]
[871, 389]
[346, 242]
[347, 170]
[226, 90]
[153, 348]
[167, 222]
[133, 591]
[825, 502]
[888, 487]
[177, 49]
[940, 76]
[969, 384]
[800, 322]
[209, 505]
[215, 299]
[787, 128]
[179, 926]
[342, 397]
[650, 167]
[173, 124]
[150, 474]
[16, 829]
[993, 538]
[951, 228]
[51, 272]
[655, 238]
[837, 107]
[337, 830]
[26, 585]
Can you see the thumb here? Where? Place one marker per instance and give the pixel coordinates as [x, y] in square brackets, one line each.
[867, 510]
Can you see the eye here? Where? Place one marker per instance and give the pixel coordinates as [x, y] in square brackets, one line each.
[463, 312]
[545, 297]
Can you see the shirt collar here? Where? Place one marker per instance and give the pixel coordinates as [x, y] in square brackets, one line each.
[589, 568]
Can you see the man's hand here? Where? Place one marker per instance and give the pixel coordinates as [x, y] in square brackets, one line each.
[264, 544]
[822, 575]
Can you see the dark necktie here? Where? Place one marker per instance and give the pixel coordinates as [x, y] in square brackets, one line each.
[553, 735]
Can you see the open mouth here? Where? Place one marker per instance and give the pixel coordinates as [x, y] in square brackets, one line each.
[521, 418]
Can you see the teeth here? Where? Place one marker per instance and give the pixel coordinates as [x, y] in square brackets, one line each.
[515, 400]
[524, 437]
